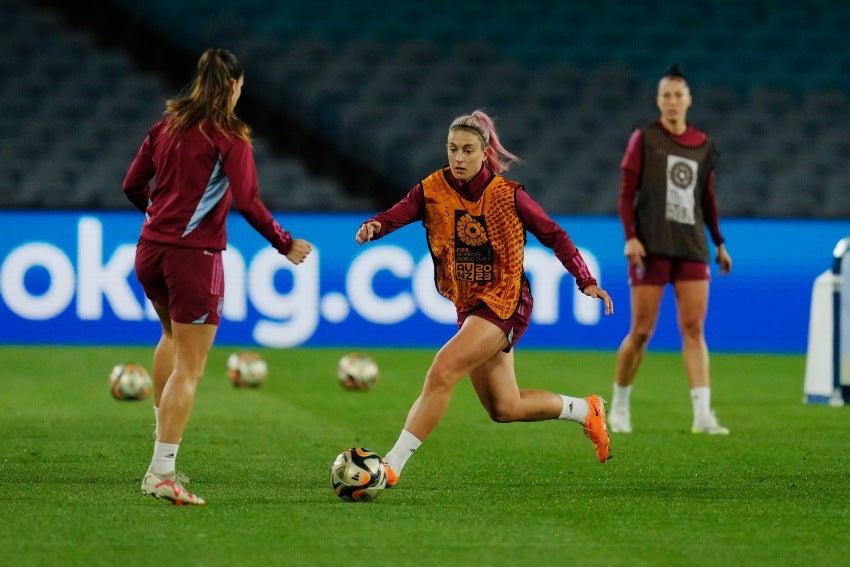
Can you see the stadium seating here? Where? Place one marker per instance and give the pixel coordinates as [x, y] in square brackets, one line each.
[567, 81]
[74, 114]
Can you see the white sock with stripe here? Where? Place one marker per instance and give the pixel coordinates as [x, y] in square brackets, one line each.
[701, 400]
[402, 450]
[164, 459]
[575, 409]
[622, 396]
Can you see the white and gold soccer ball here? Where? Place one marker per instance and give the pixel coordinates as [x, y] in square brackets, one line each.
[247, 369]
[356, 371]
[358, 475]
[130, 382]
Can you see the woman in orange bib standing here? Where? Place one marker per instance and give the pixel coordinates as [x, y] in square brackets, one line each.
[476, 223]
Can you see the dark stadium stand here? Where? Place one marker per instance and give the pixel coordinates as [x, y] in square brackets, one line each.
[75, 112]
[374, 90]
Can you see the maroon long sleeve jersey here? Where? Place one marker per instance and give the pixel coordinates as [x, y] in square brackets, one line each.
[632, 165]
[411, 208]
[195, 179]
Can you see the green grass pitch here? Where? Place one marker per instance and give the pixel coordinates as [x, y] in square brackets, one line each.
[775, 492]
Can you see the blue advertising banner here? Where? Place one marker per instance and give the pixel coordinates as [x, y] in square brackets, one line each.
[67, 278]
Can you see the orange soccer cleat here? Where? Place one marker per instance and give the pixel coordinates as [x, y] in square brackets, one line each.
[595, 428]
[392, 477]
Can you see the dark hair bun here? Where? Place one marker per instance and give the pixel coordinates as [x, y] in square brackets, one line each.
[674, 70]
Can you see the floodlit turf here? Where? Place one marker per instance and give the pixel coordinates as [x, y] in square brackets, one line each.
[775, 492]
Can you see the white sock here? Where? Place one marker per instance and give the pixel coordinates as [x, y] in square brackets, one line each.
[164, 459]
[701, 400]
[621, 397]
[575, 409]
[402, 450]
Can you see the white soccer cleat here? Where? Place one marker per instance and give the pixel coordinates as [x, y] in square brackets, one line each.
[709, 425]
[620, 420]
[170, 489]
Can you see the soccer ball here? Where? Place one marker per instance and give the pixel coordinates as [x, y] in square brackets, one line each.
[358, 475]
[247, 369]
[130, 382]
[357, 371]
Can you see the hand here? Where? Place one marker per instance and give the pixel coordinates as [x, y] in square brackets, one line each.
[724, 259]
[299, 251]
[596, 291]
[367, 231]
[635, 252]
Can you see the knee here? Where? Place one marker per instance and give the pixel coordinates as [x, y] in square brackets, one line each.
[501, 413]
[691, 329]
[640, 337]
[441, 378]
[186, 378]
[500, 417]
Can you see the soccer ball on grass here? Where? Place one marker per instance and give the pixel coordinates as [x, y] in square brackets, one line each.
[357, 371]
[247, 369]
[129, 382]
[358, 475]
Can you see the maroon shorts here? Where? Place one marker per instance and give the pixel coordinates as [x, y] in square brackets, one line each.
[514, 326]
[190, 281]
[661, 270]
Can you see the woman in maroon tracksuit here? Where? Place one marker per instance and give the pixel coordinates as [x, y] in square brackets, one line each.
[200, 160]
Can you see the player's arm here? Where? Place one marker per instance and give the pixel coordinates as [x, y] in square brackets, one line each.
[137, 181]
[409, 209]
[551, 235]
[631, 168]
[712, 222]
[238, 165]
[368, 231]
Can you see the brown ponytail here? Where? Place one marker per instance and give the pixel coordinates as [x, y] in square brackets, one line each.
[206, 101]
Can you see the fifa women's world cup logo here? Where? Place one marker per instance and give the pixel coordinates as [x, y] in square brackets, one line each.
[473, 251]
[681, 189]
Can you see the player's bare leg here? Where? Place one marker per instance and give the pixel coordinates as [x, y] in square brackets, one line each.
[192, 343]
[475, 342]
[163, 355]
[646, 303]
[692, 305]
[163, 359]
[495, 383]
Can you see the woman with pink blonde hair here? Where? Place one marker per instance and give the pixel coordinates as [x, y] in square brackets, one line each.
[476, 223]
